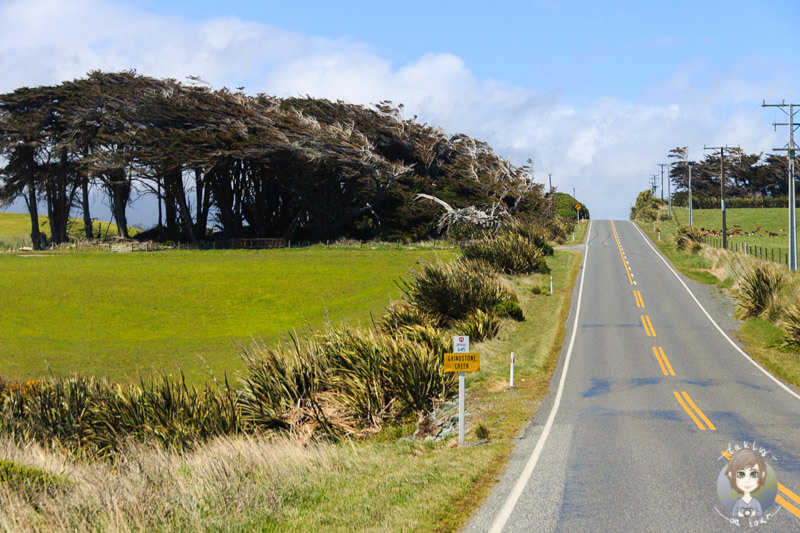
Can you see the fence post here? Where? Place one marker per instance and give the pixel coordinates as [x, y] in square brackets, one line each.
[772, 254]
[779, 256]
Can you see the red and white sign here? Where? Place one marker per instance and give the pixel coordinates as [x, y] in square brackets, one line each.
[461, 344]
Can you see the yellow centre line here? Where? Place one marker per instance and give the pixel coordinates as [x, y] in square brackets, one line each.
[619, 247]
[699, 412]
[648, 326]
[637, 295]
[779, 499]
[663, 362]
[689, 411]
[666, 361]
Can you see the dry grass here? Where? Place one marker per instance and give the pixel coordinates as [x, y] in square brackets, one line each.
[150, 488]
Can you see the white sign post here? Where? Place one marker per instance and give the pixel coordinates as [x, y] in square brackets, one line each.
[461, 345]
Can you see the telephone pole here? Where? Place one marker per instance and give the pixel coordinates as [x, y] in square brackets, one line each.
[550, 180]
[722, 187]
[669, 194]
[790, 149]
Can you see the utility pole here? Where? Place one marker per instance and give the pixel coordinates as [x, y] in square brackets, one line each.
[688, 164]
[550, 181]
[722, 188]
[790, 149]
[662, 165]
[684, 154]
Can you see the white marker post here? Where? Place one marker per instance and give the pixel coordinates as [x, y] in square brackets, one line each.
[511, 384]
[551, 284]
[461, 345]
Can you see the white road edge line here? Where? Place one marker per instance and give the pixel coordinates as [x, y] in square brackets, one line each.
[722, 332]
[511, 501]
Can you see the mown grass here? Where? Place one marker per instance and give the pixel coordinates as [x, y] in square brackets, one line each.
[767, 219]
[252, 483]
[15, 229]
[116, 315]
[762, 339]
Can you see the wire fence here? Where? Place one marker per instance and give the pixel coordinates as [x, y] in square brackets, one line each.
[775, 255]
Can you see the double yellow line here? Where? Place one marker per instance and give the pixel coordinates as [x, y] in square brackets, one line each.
[779, 498]
[663, 362]
[648, 326]
[639, 300]
[691, 409]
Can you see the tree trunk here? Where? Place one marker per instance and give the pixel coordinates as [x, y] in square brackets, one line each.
[119, 188]
[87, 218]
[33, 209]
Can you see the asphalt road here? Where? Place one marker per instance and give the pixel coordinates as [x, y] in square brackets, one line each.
[647, 395]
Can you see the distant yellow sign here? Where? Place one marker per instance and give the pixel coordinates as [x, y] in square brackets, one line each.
[462, 362]
[577, 207]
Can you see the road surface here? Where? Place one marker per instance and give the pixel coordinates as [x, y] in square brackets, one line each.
[649, 399]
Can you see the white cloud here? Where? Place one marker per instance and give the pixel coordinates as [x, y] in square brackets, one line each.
[606, 150]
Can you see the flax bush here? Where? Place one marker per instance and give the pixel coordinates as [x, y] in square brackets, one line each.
[478, 326]
[759, 291]
[90, 417]
[511, 253]
[454, 291]
[686, 238]
[791, 327]
[346, 381]
[402, 313]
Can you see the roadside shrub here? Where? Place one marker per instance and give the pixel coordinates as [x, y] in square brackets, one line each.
[87, 415]
[686, 237]
[511, 253]
[663, 217]
[402, 313]
[481, 431]
[454, 290]
[478, 326]
[29, 481]
[511, 309]
[465, 231]
[759, 290]
[532, 232]
[645, 208]
[791, 327]
[345, 381]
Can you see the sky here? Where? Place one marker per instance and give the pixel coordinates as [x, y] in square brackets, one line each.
[595, 93]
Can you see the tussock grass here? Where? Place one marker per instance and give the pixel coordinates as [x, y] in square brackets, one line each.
[759, 291]
[510, 253]
[453, 291]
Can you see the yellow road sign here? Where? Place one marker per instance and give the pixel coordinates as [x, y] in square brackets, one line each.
[577, 207]
[462, 362]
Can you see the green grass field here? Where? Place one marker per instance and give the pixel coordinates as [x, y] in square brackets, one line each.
[775, 220]
[117, 315]
[15, 229]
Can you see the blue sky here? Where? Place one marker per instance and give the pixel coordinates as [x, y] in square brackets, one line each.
[595, 92]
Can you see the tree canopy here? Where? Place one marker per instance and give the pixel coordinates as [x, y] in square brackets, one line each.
[254, 166]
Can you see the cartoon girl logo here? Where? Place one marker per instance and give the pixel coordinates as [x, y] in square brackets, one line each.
[747, 486]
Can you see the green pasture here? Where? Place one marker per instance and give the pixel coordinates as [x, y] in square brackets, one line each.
[15, 229]
[759, 221]
[117, 315]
